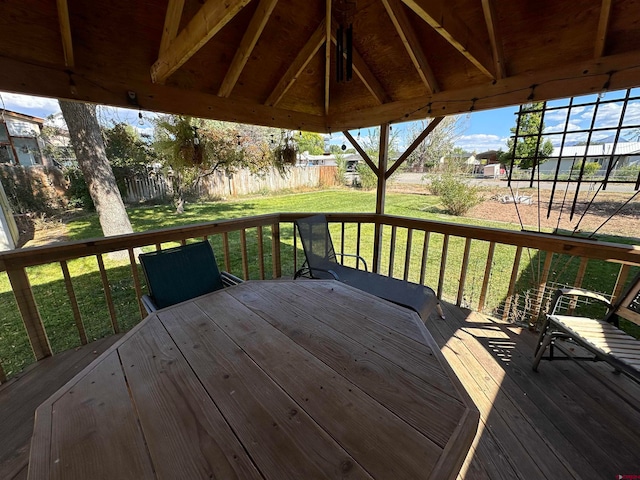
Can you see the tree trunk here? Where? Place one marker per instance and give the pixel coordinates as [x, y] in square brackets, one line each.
[88, 145]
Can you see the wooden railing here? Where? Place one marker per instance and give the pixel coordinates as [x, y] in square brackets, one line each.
[478, 267]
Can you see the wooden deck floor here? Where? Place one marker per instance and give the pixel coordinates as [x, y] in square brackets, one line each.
[570, 420]
[21, 395]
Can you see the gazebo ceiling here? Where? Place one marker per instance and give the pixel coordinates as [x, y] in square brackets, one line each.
[268, 61]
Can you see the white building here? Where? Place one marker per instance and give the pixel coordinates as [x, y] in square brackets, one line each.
[625, 154]
[20, 142]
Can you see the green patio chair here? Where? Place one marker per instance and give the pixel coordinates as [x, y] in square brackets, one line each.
[178, 274]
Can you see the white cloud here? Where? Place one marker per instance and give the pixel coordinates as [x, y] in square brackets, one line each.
[16, 101]
[481, 142]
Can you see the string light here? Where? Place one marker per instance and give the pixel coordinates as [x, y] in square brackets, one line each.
[140, 119]
[533, 90]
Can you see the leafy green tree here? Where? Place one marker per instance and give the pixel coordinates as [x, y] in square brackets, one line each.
[194, 149]
[532, 126]
[310, 142]
[125, 148]
[440, 143]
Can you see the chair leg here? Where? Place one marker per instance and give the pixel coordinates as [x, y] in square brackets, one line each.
[543, 332]
[548, 338]
[439, 310]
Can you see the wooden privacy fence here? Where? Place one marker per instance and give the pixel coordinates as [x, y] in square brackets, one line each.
[142, 188]
[483, 268]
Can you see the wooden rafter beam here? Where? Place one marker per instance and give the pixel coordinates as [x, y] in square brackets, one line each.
[249, 40]
[171, 23]
[411, 44]
[65, 32]
[208, 21]
[442, 18]
[327, 57]
[430, 128]
[490, 18]
[362, 153]
[603, 27]
[299, 63]
[363, 71]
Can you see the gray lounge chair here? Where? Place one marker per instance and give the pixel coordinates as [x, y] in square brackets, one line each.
[321, 262]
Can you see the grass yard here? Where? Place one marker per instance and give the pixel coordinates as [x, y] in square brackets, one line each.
[49, 289]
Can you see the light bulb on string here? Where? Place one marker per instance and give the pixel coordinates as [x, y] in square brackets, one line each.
[140, 119]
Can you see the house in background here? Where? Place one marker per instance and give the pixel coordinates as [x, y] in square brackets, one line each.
[20, 142]
[625, 154]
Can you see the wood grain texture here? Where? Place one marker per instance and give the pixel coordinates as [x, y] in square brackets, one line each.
[94, 432]
[192, 440]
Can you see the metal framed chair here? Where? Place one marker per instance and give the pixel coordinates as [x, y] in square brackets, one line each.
[601, 337]
[181, 273]
[321, 263]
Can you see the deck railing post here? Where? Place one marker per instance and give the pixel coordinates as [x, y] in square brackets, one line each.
[383, 157]
[29, 312]
[275, 250]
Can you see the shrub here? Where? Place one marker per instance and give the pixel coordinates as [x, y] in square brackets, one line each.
[368, 179]
[456, 196]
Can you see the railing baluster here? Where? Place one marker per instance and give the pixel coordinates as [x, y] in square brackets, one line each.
[295, 249]
[407, 256]
[3, 376]
[487, 276]
[342, 243]
[358, 244]
[107, 294]
[582, 268]
[512, 283]
[225, 248]
[74, 302]
[392, 250]
[275, 250]
[542, 286]
[620, 281]
[136, 282]
[443, 264]
[243, 252]
[260, 253]
[425, 254]
[463, 271]
[158, 247]
[29, 312]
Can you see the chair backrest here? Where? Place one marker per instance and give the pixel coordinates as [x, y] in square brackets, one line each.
[316, 241]
[181, 273]
[628, 306]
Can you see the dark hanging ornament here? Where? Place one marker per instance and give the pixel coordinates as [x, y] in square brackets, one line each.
[344, 12]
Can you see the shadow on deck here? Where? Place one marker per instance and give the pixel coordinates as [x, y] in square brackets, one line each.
[570, 420]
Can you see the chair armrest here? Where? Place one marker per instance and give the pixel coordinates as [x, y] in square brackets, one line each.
[355, 256]
[576, 292]
[148, 304]
[229, 280]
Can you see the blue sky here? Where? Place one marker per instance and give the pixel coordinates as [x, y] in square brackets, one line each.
[483, 130]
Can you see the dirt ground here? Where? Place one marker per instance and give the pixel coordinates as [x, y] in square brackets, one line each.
[625, 220]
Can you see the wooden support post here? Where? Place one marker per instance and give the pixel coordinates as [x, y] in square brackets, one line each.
[29, 312]
[623, 274]
[383, 157]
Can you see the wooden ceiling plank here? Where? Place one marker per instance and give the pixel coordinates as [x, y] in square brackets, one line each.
[171, 23]
[363, 71]
[248, 43]
[327, 57]
[208, 21]
[65, 32]
[361, 151]
[430, 128]
[565, 81]
[411, 44]
[441, 17]
[299, 63]
[489, 10]
[603, 27]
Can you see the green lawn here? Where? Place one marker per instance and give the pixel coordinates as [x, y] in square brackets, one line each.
[49, 289]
